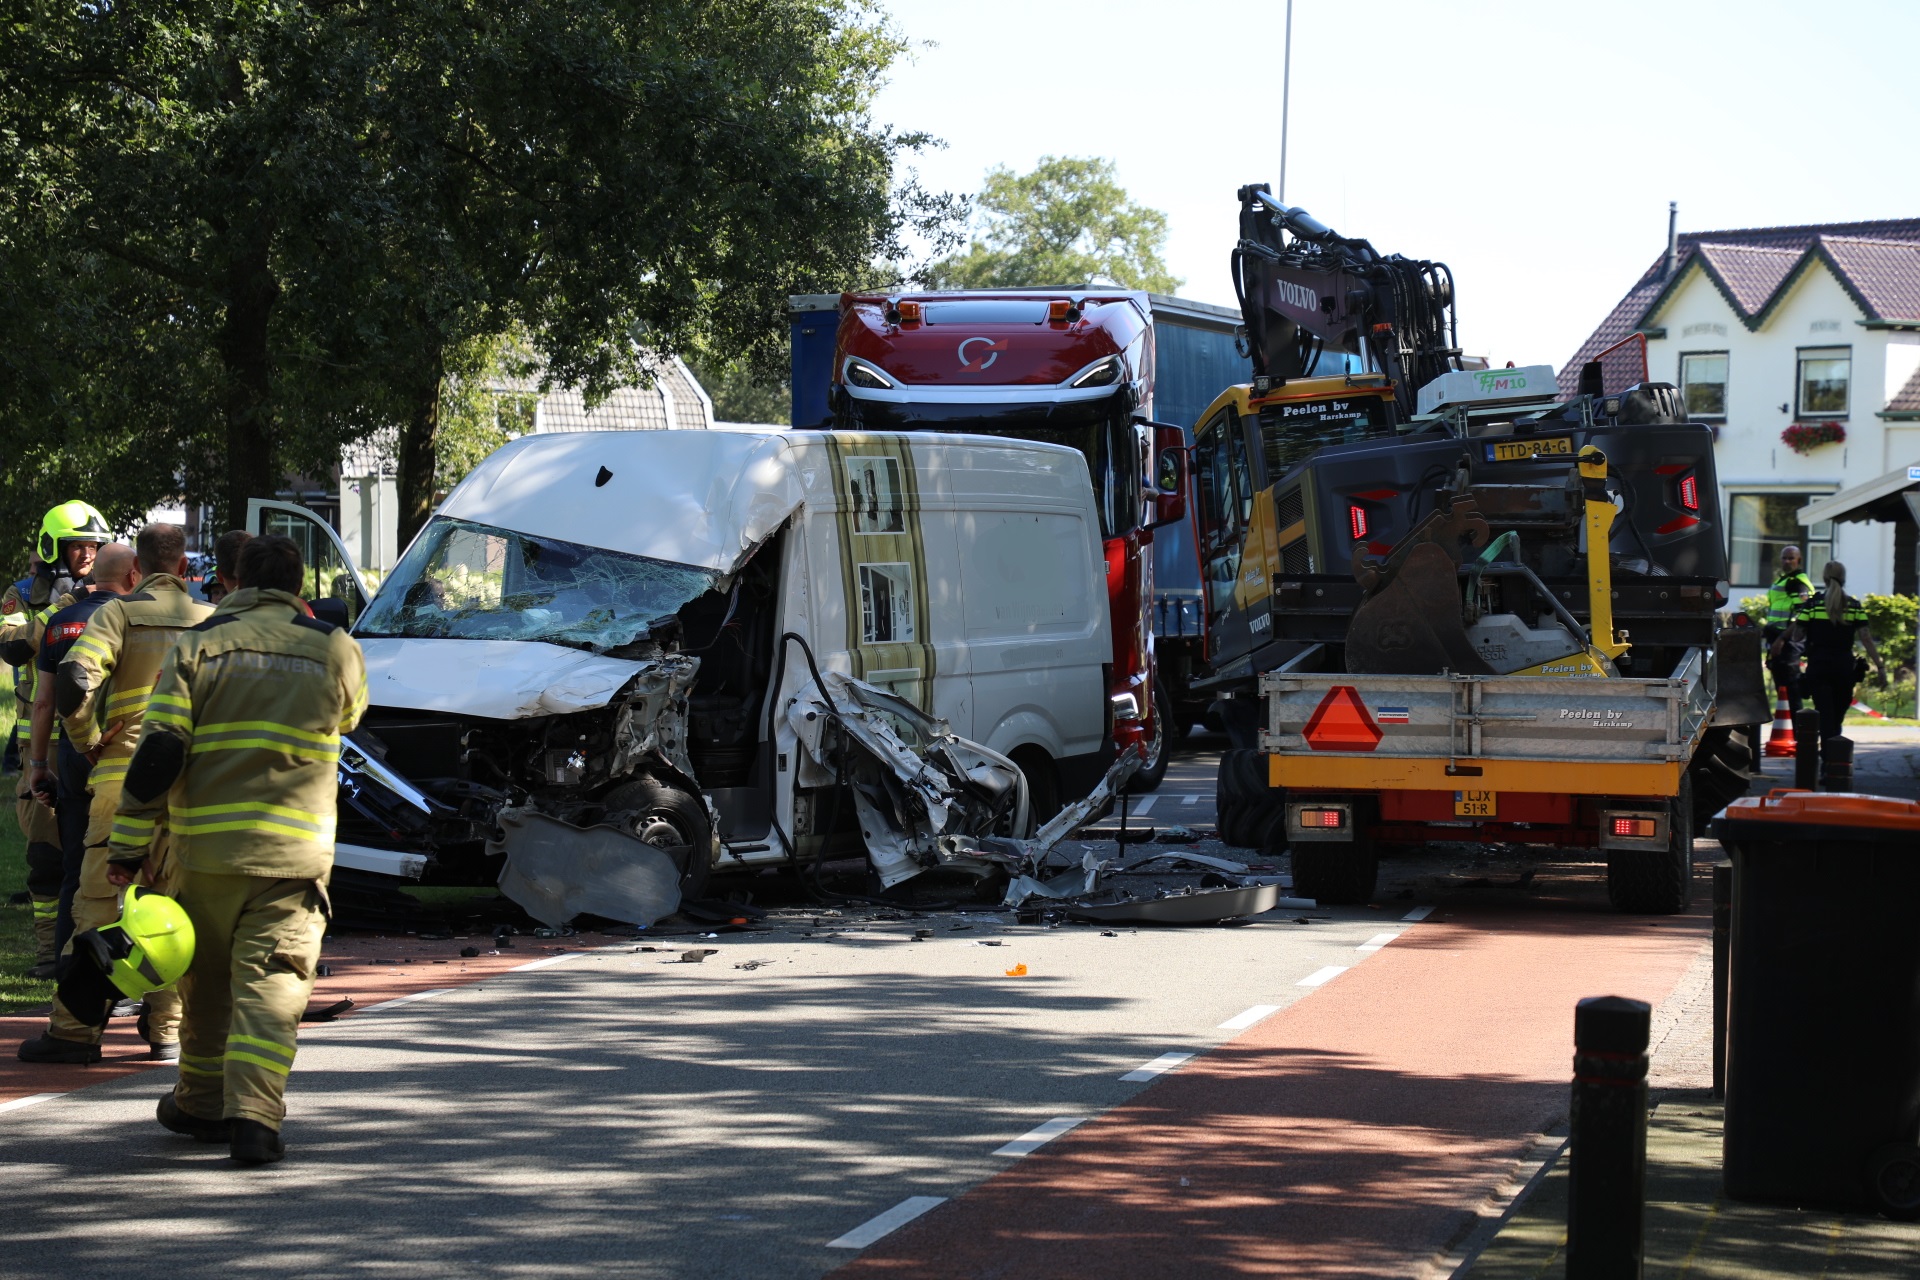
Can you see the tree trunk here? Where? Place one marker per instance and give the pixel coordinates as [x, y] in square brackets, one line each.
[251, 292]
[419, 439]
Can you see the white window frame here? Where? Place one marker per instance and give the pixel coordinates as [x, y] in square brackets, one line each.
[1726, 359]
[1800, 358]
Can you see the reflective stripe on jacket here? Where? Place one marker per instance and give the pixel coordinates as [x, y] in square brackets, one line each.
[257, 696]
[1785, 595]
[115, 664]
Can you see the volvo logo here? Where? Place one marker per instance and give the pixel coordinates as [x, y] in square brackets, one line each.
[1296, 295]
[988, 347]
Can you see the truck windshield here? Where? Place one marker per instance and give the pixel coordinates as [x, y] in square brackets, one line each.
[467, 581]
[1290, 433]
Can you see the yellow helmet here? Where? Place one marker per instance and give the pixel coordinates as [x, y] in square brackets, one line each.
[147, 948]
[70, 522]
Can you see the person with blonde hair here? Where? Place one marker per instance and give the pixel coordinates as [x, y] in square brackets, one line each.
[1829, 622]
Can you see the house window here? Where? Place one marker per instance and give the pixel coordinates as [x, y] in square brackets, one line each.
[886, 604]
[1824, 373]
[1762, 523]
[1703, 382]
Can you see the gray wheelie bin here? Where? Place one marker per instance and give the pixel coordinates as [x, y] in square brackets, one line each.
[1823, 1028]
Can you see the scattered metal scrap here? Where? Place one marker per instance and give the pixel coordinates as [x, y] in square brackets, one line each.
[1079, 895]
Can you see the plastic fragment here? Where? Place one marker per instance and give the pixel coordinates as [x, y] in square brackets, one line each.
[1018, 971]
[696, 955]
[469, 951]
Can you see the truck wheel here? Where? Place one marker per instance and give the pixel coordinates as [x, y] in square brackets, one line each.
[1657, 881]
[1159, 747]
[1336, 874]
[1245, 805]
[671, 820]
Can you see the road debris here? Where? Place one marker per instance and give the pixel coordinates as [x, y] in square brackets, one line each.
[696, 955]
[1018, 971]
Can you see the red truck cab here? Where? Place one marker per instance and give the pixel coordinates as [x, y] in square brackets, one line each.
[1063, 366]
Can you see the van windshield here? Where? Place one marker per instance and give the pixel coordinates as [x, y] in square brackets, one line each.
[465, 581]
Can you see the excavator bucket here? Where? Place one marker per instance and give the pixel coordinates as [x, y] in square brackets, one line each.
[1412, 621]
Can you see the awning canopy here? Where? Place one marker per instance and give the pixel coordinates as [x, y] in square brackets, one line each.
[1878, 499]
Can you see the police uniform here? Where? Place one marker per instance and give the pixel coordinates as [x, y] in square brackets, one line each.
[1783, 597]
[20, 641]
[103, 682]
[1832, 671]
[238, 759]
[38, 827]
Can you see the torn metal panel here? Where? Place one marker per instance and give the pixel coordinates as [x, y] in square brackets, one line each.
[557, 871]
[651, 727]
[1201, 906]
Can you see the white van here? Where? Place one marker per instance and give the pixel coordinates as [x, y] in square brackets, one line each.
[691, 637]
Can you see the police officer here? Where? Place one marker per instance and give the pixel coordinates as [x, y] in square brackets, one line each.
[38, 827]
[1789, 588]
[1829, 624]
[100, 689]
[114, 573]
[238, 753]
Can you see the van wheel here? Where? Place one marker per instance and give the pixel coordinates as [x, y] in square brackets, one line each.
[1657, 882]
[671, 820]
[1336, 874]
[1043, 784]
[1159, 747]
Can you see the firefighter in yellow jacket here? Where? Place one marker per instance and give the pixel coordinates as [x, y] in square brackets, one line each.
[20, 625]
[101, 692]
[237, 758]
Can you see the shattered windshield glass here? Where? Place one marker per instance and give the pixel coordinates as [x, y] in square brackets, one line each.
[467, 581]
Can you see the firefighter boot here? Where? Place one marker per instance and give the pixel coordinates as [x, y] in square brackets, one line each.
[254, 1143]
[199, 1128]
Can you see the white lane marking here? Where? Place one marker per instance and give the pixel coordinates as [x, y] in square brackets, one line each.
[1418, 913]
[1034, 1139]
[28, 1101]
[892, 1220]
[1194, 799]
[1376, 942]
[1138, 808]
[1320, 977]
[1241, 1021]
[1165, 1062]
[400, 1000]
[543, 963]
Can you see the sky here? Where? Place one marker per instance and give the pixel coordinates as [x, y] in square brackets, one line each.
[1532, 147]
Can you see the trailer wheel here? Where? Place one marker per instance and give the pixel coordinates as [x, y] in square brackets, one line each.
[1657, 881]
[671, 820]
[1336, 874]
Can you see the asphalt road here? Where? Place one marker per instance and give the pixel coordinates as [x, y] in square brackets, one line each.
[622, 1112]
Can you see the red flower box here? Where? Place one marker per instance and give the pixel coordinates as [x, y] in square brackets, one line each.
[1805, 437]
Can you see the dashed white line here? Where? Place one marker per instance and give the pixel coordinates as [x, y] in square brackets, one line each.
[400, 1000]
[1241, 1021]
[28, 1101]
[1165, 1062]
[1034, 1139]
[1192, 799]
[544, 962]
[892, 1220]
[1376, 942]
[1418, 913]
[1137, 808]
[1320, 977]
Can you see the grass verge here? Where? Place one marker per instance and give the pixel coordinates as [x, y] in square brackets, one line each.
[18, 992]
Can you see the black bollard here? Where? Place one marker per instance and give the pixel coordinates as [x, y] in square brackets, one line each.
[1607, 1151]
[1722, 940]
[1806, 749]
[1836, 764]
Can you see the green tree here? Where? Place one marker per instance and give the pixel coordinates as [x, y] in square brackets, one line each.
[741, 393]
[1067, 222]
[321, 210]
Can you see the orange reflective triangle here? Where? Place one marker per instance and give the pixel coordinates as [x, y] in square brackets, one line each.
[1341, 723]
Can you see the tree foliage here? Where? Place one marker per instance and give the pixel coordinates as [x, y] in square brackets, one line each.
[280, 228]
[1067, 222]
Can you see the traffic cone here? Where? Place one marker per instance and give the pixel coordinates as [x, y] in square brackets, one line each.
[1866, 710]
[1780, 743]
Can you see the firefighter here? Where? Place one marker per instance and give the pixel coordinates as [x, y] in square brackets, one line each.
[238, 753]
[226, 560]
[38, 827]
[100, 690]
[1828, 625]
[1783, 651]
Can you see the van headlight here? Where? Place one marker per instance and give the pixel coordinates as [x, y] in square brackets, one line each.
[1125, 706]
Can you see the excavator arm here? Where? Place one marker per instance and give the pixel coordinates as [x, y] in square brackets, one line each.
[1304, 290]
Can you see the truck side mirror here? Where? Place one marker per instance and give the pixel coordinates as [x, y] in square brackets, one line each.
[1169, 475]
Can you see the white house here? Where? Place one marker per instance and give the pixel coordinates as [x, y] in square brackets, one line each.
[1810, 332]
